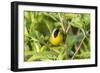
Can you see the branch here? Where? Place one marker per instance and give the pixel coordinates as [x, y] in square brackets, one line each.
[78, 48]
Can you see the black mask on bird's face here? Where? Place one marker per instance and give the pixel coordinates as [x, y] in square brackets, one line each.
[55, 32]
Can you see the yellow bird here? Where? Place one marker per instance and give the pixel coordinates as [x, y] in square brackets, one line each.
[56, 37]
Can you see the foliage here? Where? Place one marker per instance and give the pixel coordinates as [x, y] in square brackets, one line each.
[38, 27]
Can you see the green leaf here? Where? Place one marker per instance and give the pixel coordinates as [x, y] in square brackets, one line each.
[76, 22]
[71, 40]
[50, 16]
[26, 32]
[43, 48]
[47, 55]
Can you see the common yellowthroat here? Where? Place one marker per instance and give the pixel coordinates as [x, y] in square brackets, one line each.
[56, 37]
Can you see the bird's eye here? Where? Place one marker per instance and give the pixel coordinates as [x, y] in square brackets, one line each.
[56, 33]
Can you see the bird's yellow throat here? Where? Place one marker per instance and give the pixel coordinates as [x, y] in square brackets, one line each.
[56, 37]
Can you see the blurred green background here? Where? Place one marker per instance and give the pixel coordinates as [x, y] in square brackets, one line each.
[38, 27]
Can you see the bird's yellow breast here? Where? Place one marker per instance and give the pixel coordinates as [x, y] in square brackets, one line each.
[56, 40]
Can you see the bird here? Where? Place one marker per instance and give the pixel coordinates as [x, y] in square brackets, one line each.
[56, 37]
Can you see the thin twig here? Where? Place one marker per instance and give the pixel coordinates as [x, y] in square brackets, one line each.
[48, 26]
[61, 22]
[66, 31]
[78, 48]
